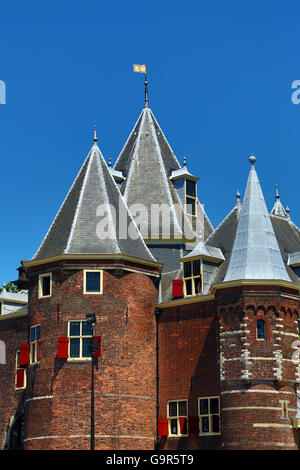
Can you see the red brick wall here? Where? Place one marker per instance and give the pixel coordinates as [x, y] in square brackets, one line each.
[188, 365]
[13, 332]
[256, 375]
[57, 398]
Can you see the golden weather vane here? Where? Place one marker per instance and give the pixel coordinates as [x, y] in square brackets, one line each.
[142, 69]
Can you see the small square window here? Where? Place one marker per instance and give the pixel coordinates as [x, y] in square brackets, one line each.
[45, 285]
[93, 282]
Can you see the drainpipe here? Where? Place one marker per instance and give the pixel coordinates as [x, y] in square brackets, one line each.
[157, 313]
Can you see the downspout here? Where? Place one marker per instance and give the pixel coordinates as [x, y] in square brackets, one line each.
[157, 313]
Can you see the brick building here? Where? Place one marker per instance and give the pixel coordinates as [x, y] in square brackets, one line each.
[196, 328]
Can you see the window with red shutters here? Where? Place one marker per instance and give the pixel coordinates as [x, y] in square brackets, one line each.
[24, 355]
[63, 348]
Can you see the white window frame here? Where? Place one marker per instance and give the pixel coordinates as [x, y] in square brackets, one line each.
[85, 271]
[80, 337]
[41, 277]
[209, 415]
[170, 418]
[33, 346]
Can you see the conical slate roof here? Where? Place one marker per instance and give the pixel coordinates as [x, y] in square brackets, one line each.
[93, 219]
[255, 253]
[147, 163]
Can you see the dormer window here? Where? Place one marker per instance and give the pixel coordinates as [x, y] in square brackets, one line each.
[192, 278]
[190, 197]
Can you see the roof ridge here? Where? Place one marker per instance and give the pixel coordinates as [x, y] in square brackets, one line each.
[136, 123]
[154, 119]
[62, 204]
[163, 172]
[235, 208]
[133, 157]
[79, 201]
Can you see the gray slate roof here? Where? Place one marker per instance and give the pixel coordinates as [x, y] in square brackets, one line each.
[147, 162]
[255, 253]
[93, 217]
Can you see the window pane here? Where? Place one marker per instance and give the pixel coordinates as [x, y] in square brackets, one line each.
[260, 327]
[38, 332]
[214, 406]
[191, 188]
[32, 348]
[187, 269]
[196, 267]
[205, 424]
[92, 282]
[182, 408]
[174, 426]
[173, 408]
[46, 285]
[86, 352]
[204, 406]
[215, 423]
[198, 285]
[74, 347]
[190, 206]
[86, 329]
[75, 328]
[188, 287]
[32, 334]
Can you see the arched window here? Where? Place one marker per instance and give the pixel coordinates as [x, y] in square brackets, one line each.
[2, 353]
[260, 329]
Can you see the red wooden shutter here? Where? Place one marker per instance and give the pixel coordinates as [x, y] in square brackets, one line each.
[20, 378]
[163, 427]
[24, 355]
[177, 288]
[62, 348]
[97, 353]
[183, 425]
[193, 424]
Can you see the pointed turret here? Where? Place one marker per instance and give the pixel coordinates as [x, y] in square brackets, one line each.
[255, 253]
[148, 165]
[278, 208]
[93, 219]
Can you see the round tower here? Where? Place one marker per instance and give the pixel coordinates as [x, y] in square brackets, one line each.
[93, 260]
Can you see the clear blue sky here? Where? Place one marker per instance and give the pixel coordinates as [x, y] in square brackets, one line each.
[219, 74]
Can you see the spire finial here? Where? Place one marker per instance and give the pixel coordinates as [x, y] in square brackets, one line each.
[238, 201]
[276, 192]
[238, 194]
[184, 160]
[109, 162]
[95, 135]
[252, 159]
[146, 91]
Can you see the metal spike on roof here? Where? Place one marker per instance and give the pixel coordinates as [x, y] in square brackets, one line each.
[278, 208]
[255, 253]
